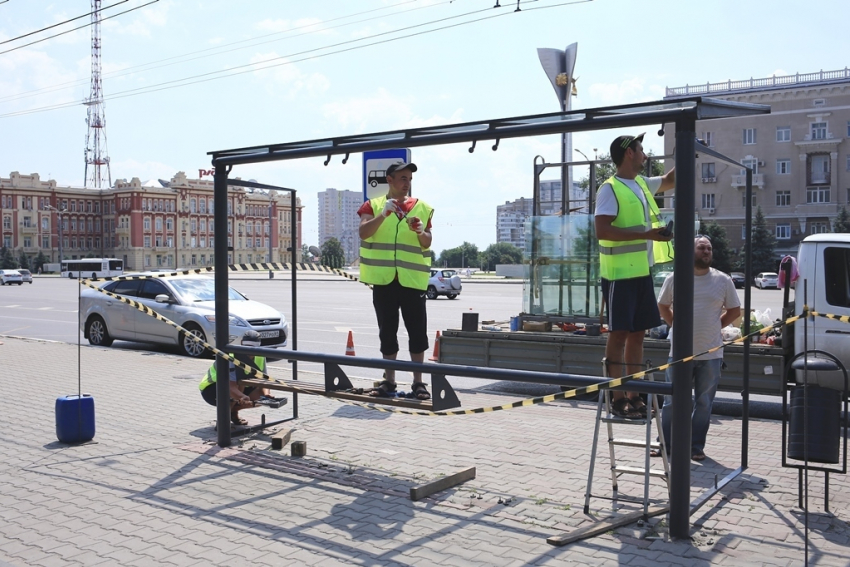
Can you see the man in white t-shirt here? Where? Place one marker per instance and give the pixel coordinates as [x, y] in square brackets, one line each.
[626, 219]
[716, 305]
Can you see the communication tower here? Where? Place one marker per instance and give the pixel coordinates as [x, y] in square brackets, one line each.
[97, 174]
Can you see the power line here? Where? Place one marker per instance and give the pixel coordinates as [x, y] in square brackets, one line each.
[59, 24]
[77, 28]
[128, 70]
[240, 69]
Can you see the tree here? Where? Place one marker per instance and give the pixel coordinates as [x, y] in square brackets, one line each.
[333, 254]
[40, 261]
[464, 255]
[500, 253]
[723, 260]
[763, 246]
[7, 260]
[23, 260]
[842, 221]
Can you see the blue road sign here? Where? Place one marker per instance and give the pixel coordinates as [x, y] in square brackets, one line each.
[375, 170]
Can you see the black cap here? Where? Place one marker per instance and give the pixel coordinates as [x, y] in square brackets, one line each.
[251, 338]
[621, 144]
[401, 165]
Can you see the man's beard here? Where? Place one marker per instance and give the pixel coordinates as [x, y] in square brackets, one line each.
[702, 263]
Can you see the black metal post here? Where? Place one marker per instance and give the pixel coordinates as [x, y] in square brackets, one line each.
[683, 301]
[222, 330]
[294, 334]
[745, 395]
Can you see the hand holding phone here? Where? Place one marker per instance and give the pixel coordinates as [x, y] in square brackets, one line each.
[668, 230]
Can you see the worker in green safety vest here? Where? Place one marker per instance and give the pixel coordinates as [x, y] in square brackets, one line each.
[632, 238]
[241, 397]
[395, 258]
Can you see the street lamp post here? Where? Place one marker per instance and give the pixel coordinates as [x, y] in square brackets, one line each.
[59, 216]
[271, 234]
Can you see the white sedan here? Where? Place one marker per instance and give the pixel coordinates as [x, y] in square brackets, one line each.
[188, 301]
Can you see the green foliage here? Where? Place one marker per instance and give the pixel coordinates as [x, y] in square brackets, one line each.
[501, 253]
[7, 260]
[333, 254]
[40, 261]
[23, 261]
[842, 221]
[764, 245]
[723, 259]
[463, 256]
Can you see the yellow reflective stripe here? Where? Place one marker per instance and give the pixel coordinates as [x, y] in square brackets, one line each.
[411, 249]
[411, 266]
[375, 262]
[630, 249]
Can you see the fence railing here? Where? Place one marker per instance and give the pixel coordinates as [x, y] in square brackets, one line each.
[748, 84]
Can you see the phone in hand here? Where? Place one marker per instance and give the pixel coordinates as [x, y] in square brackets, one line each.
[668, 230]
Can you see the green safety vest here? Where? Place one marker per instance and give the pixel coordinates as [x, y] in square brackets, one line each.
[395, 249]
[621, 260]
[209, 377]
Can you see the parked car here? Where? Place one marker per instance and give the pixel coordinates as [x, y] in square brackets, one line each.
[443, 282]
[766, 279]
[9, 277]
[26, 275]
[189, 301]
[739, 279]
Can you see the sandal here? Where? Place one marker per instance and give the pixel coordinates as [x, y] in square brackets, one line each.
[385, 389]
[236, 420]
[622, 408]
[638, 405]
[419, 391]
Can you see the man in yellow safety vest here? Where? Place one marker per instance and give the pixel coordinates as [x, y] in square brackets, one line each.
[395, 258]
[632, 238]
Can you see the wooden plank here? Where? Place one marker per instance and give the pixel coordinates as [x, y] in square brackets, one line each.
[604, 526]
[420, 492]
[280, 439]
[317, 389]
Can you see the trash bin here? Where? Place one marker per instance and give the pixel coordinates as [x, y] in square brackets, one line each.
[822, 428]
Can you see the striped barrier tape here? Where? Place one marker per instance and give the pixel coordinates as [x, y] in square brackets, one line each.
[614, 383]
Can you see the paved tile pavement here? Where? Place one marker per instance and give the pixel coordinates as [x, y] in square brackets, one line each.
[154, 489]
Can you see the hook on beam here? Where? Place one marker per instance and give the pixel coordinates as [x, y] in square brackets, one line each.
[345, 159]
[327, 161]
[472, 148]
[496, 145]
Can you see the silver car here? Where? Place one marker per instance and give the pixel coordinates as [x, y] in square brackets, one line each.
[444, 282]
[189, 301]
[9, 277]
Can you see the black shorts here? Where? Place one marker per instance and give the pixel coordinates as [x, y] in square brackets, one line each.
[210, 396]
[631, 304]
[388, 299]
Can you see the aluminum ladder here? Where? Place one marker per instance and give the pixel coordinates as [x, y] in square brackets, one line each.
[647, 444]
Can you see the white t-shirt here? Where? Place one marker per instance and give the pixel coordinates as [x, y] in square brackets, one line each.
[713, 292]
[607, 204]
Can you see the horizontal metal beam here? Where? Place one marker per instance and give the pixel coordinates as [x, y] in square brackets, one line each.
[570, 380]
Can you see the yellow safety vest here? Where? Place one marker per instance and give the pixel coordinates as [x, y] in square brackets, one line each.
[621, 260]
[209, 377]
[395, 249]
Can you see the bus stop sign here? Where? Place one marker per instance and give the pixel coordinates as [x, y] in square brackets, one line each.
[375, 170]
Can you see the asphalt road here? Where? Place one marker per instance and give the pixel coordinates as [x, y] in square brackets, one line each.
[328, 307]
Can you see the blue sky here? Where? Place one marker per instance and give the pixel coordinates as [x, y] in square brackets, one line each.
[628, 52]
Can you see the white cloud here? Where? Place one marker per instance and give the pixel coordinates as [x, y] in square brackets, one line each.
[628, 91]
[141, 22]
[144, 170]
[288, 76]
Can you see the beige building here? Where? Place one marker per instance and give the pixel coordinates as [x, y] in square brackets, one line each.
[160, 224]
[799, 153]
[338, 219]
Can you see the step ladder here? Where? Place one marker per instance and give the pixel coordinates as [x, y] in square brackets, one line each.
[646, 444]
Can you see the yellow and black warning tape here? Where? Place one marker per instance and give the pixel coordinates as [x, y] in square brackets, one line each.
[609, 384]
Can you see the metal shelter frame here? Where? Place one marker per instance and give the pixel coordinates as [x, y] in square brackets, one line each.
[682, 112]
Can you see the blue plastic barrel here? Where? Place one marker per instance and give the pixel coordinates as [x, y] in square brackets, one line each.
[75, 418]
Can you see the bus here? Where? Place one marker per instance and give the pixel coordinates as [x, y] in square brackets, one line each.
[92, 268]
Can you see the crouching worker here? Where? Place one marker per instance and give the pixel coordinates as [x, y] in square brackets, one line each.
[241, 397]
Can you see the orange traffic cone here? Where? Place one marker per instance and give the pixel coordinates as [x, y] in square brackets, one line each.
[349, 346]
[436, 355]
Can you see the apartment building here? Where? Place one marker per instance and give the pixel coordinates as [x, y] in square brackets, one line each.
[799, 153]
[338, 219]
[157, 224]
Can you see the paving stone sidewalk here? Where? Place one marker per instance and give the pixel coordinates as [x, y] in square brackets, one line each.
[154, 489]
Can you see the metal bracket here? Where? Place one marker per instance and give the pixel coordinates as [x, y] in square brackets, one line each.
[472, 148]
[496, 145]
[335, 378]
[443, 396]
